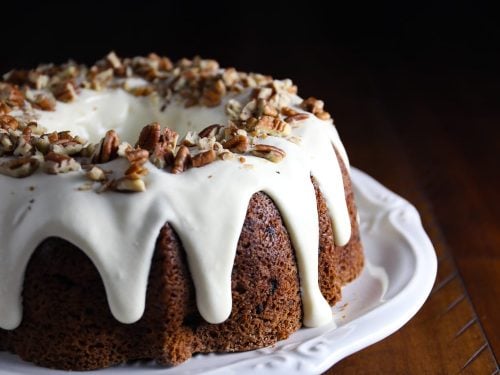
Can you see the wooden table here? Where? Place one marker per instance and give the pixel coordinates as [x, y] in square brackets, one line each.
[435, 140]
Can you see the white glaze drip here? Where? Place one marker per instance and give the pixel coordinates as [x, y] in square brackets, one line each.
[190, 202]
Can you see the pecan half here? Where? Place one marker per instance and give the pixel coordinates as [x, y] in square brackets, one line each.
[108, 148]
[269, 152]
[149, 137]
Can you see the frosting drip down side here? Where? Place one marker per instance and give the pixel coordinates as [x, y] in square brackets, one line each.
[206, 206]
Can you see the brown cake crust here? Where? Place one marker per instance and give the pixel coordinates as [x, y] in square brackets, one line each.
[67, 323]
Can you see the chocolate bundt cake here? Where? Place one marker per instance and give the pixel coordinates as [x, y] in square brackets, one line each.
[152, 210]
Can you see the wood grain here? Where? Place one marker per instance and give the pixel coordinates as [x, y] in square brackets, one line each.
[399, 132]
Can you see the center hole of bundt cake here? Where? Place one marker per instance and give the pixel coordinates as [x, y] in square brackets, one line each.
[95, 112]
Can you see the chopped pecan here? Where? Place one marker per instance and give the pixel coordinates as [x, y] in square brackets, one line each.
[53, 137]
[107, 149]
[269, 152]
[23, 148]
[8, 122]
[248, 110]
[44, 101]
[182, 160]
[265, 109]
[288, 111]
[100, 80]
[114, 61]
[6, 144]
[204, 158]
[323, 115]
[233, 109]
[297, 118]
[210, 131]
[136, 171]
[96, 174]
[65, 91]
[4, 108]
[126, 184]
[11, 95]
[21, 167]
[316, 107]
[27, 134]
[137, 156]
[230, 77]
[238, 143]
[141, 90]
[190, 139]
[169, 138]
[59, 163]
[269, 125]
[213, 94]
[164, 63]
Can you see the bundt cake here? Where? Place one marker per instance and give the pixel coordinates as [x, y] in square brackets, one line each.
[152, 210]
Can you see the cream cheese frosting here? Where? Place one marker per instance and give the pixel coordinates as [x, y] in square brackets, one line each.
[118, 231]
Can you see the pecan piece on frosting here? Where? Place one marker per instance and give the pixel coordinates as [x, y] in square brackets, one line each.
[238, 143]
[4, 108]
[11, 95]
[107, 149]
[210, 131]
[126, 184]
[59, 163]
[269, 125]
[204, 158]
[297, 118]
[136, 171]
[149, 137]
[21, 167]
[44, 101]
[136, 157]
[65, 91]
[8, 122]
[182, 160]
[316, 107]
[96, 174]
[269, 152]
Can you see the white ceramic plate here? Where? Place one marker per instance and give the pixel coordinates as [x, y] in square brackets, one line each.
[399, 274]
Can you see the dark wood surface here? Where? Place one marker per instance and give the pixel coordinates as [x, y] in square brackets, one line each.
[434, 139]
[415, 92]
